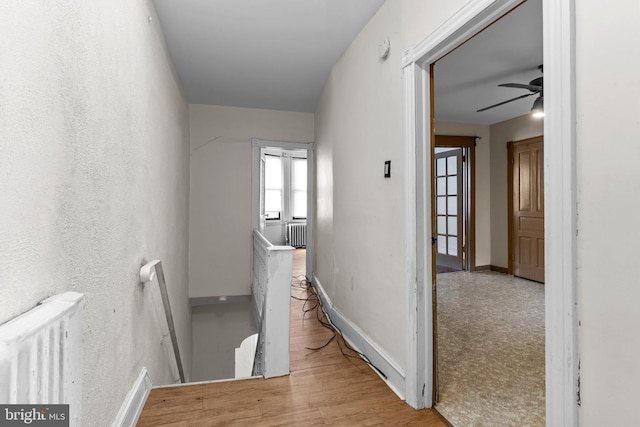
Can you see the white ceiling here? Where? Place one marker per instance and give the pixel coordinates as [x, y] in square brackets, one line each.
[274, 54]
[277, 54]
[509, 51]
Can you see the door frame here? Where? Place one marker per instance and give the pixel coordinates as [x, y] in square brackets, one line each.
[256, 146]
[560, 200]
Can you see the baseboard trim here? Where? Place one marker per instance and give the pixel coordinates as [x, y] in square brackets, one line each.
[208, 382]
[492, 268]
[359, 341]
[134, 401]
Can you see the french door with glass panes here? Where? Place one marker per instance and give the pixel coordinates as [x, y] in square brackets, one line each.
[449, 208]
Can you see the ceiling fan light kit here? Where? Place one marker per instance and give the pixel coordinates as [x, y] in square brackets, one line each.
[535, 87]
[537, 110]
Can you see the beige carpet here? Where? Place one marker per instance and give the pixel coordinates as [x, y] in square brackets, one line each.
[491, 350]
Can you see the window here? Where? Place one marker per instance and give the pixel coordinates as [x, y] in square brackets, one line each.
[283, 185]
[273, 187]
[299, 187]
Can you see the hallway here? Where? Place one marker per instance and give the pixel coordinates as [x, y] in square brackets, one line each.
[324, 387]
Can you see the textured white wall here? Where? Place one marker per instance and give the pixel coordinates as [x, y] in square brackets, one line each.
[516, 129]
[220, 202]
[608, 129]
[94, 178]
[360, 215]
[483, 183]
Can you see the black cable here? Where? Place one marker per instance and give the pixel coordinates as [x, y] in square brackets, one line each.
[313, 296]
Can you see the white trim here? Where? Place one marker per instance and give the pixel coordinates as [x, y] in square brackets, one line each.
[287, 145]
[467, 21]
[311, 214]
[560, 198]
[134, 401]
[258, 377]
[365, 345]
[417, 231]
[560, 213]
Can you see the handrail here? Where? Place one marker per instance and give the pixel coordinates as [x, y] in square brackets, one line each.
[261, 239]
[147, 274]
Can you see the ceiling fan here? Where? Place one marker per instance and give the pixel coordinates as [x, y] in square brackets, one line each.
[535, 87]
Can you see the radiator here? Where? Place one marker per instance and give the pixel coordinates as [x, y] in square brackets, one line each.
[297, 234]
[40, 355]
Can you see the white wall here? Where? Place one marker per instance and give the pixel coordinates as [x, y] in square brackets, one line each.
[94, 179]
[482, 180]
[220, 233]
[217, 330]
[360, 251]
[360, 112]
[516, 129]
[608, 129]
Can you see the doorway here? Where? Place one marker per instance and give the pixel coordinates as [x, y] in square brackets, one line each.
[283, 203]
[283, 196]
[560, 269]
[280, 212]
[465, 303]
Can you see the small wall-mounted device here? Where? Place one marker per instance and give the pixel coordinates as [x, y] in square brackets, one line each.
[387, 168]
[383, 49]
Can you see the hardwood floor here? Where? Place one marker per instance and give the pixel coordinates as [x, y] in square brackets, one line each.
[324, 388]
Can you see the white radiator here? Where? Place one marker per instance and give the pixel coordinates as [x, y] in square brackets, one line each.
[40, 355]
[297, 234]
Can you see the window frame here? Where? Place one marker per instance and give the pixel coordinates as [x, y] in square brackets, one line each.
[287, 158]
[281, 212]
[292, 189]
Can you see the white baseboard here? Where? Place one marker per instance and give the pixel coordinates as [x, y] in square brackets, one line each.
[395, 377]
[258, 377]
[134, 402]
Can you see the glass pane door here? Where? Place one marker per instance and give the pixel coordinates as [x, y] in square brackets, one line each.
[449, 208]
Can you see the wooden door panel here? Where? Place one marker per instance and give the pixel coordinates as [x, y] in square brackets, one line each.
[531, 224]
[524, 183]
[540, 183]
[524, 252]
[541, 254]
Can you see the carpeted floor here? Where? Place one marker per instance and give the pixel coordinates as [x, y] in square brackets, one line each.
[491, 350]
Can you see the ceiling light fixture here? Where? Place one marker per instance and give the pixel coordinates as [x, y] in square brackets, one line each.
[537, 110]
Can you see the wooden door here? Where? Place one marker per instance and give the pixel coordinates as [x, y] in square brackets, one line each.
[527, 209]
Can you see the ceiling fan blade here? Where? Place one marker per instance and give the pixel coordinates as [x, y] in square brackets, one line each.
[532, 88]
[505, 102]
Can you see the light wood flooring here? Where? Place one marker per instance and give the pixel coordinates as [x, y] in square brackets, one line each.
[324, 388]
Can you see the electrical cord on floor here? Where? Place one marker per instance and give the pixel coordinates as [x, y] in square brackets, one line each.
[325, 321]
